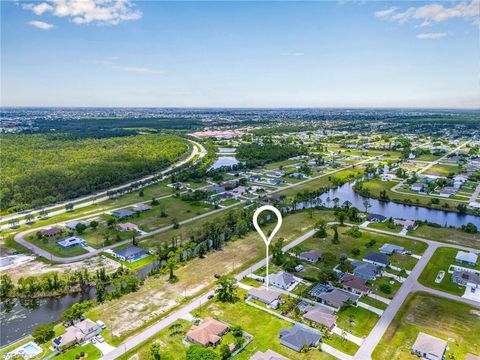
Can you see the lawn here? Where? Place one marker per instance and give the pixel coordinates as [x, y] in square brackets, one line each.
[387, 227]
[441, 260]
[341, 344]
[393, 284]
[157, 297]
[356, 320]
[131, 265]
[50, 245]
[90, 350]
[444, 170]
[449, 320]
[447, 235]
[373, 302]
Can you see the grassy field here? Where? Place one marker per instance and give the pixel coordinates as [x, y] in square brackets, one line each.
[262, 326]
[373, 302]
[444, 170]
[376, 186]
[324, 181]
[357, 320]
[384, 226]
[441, 260]
[90, 350]
[132, 312]
[132, 265]
[447, 235]
[50, 244]
[449, 320]
[394, 286]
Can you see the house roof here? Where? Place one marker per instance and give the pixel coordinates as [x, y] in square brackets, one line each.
[130, 250]
[467, 276]
[127, 226]
[319, 289]
[355, 282]
[320, 315]
[264, 294]
[123, 213]
[337, 297]
[70, 241]
[67, 337]
[428, 344]
[142, 207]
[364, 268]
[85, 325]
[281, 278]
[207, 332]
[377, 217]
[376, 257]
[52, 231]
[267, 355]
[467, 257]
[300, 335]
[390, 248]
[313, 255]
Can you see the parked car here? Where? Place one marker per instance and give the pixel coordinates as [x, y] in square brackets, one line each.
[93, 340]
[101, 324]
[218, 276]
[100, 338]
[210, 296]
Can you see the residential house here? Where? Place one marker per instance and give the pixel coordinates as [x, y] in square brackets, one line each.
[72, 225]
[130, 253]
[311, 256]
[429, 347]
[71, 241]
[378, 259]
[267, 355]
[318, 290]
[239, 190]
[390, 249]
[320, 315]
[299, 336]
[376, 218]
[275, 173]
[468, 258]
[127, 227]
[355, 284]
[406, 224]
[76, 334]
[281, 279]
[122, 213]
[447, 191]
[365, 270]
[142, 207]
[337, 297]
[466, 278]
[268, 297]
[51, 232]
[208, 333]
[417, 187]
[215, 189]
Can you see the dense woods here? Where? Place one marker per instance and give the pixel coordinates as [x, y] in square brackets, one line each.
[43, 169]
[257, 155]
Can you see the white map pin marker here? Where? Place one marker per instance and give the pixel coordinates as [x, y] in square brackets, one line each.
[275, 230]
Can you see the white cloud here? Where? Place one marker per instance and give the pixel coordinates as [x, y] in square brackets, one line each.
[434, 13]
[41, 25]
[386, 12]
[138, 70]
[431, 36]
[293, 54]
[105, 12]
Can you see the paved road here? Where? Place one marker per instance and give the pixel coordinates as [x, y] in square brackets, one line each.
[92, 199]
[183, 311]
[475, 194]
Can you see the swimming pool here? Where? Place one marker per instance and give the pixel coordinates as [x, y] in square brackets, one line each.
[27, 351]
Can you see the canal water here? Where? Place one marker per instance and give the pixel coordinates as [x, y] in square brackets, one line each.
[224, 161]
[20, 320]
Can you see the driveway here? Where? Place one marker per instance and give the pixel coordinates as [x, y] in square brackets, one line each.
[104, 347]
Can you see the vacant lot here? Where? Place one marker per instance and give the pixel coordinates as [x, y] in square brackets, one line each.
[447, 235]
[449, 320]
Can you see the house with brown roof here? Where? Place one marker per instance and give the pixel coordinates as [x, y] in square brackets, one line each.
[355, 284]
[53, 231]
[207, 333]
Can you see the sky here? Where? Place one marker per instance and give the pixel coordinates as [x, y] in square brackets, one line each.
[240, 53]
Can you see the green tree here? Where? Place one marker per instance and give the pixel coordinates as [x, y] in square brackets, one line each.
[197, 352]
[335, 239]
[171, 265]
[227, 289]
[155, 351]
[43, 333]
[93, 224]
[6, 287]
[80, 228]
[225, 352]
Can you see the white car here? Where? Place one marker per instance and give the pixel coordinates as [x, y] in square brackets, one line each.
[100, 338]
[93, 340]
[101, 324]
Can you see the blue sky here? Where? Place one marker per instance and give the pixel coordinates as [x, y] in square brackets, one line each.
[240, 54]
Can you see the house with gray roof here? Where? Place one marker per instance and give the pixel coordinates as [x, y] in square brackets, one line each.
[281, 279]
[311, 256]
[71, 241]
[130, 253]
[365, 270]
[338, 297]
[320, 315]
[390, 249]
[466, 278]
[429, 347]
[72, 225]
[299, 336]
[468, 258]
[122, 213]
[377, 259]
[268, 297]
